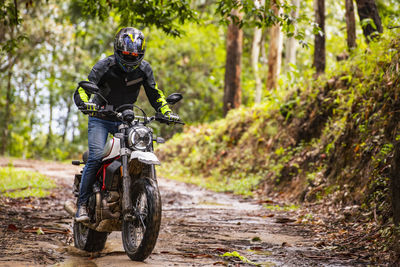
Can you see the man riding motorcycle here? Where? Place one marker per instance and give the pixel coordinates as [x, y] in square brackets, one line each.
[119, 77]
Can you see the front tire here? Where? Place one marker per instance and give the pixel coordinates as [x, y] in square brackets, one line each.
[88, 239]
[139, 236]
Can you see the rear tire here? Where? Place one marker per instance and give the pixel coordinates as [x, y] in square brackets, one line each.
[139, 236]
[88, 239]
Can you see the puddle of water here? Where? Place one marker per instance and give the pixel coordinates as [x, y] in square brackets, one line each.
[203, 197]
[274, 239]
[211, 203]
[73, 262]
[260, 252]
[114, 243]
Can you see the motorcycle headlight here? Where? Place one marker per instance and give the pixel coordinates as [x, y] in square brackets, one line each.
[140, 138]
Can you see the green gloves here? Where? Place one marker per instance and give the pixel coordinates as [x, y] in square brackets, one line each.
[172, 116]
[88, 108]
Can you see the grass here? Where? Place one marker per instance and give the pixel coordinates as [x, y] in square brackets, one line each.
[291, 207]
[17, 183]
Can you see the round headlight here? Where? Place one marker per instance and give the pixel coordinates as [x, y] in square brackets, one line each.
[140, 138]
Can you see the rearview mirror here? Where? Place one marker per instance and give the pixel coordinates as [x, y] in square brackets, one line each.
[89, 87]
[174, 98]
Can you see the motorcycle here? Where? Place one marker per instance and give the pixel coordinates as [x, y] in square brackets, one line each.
[125, 195]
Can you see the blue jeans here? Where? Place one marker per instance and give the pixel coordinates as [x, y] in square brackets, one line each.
[98, 131]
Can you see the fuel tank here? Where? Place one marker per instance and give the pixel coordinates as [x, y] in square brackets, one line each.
[112, 148]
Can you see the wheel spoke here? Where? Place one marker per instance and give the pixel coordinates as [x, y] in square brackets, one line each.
[142, 221]
[140, 233]
[137, 227]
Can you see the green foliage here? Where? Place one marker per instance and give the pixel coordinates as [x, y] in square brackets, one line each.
[255, 15]
[338, 119]
[18, 183]
[236, 254]
[48, 46]
[214, 150]
[9, 13]
[163, 14]
[192, 65]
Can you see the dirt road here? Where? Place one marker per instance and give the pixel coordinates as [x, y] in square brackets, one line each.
[198, 227]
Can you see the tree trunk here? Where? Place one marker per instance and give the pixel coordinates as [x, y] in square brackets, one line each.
[367, 10]
[275, 52]
[232, 91]
[395, 188]
[66, 121]
[351, 25]
[34, 105]
[395, 183]
[51, 105]
[7, 114]
[319, 47]
[291, 44]
[255, 54]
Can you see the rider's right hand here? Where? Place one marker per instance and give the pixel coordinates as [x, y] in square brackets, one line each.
[88, 108]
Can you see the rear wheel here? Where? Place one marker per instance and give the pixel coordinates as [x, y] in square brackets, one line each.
[139, 235]
[88, 239]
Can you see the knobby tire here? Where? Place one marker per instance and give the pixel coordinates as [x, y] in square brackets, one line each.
[147, 189]
[88, 239]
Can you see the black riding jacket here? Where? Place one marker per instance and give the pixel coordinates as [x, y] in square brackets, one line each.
[120, 87]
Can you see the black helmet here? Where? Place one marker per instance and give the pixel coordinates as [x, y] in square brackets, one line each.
[129, 48]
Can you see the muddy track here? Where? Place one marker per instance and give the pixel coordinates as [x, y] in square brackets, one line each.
[198, 226]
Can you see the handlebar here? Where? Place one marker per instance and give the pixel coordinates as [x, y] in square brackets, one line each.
[107, 110]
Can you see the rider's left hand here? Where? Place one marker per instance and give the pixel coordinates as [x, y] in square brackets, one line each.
[172, 117]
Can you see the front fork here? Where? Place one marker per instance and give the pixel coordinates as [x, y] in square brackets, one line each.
[126, 178]
[127, 208]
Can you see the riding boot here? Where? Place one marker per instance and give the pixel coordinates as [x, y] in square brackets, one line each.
[81, 214]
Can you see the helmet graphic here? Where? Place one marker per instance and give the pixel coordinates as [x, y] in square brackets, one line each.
[129, 48]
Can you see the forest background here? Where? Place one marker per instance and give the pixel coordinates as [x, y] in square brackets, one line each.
[48, 46]
[296, 99]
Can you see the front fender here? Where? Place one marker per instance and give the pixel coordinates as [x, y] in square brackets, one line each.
[145, 157]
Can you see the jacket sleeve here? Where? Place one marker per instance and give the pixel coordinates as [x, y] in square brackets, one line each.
[96, 75]
[80, 97]
[156, 96]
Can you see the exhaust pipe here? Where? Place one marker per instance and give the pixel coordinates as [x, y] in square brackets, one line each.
[70, 207]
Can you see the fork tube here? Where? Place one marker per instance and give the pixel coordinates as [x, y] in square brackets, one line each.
[126, 181]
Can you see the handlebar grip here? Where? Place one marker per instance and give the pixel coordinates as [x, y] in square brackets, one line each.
[161, 118]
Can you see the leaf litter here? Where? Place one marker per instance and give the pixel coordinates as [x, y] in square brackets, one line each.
[37, 231]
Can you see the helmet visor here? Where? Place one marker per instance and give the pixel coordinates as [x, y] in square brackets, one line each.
[129, 58]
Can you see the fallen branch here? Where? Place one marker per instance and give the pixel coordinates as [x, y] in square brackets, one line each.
[46, 231]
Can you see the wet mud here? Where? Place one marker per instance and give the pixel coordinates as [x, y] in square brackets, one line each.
[198, 228]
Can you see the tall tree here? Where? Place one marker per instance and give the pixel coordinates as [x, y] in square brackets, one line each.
[274, 51]
[291, 44]
[255, 53]
[370, 19]
[9, 36]
[234, 46]
[350, 24]
[7, 115]
[395, 183]
[319, 41]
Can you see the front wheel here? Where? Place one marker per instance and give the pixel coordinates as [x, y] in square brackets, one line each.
[139, 235]
[88, 239]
